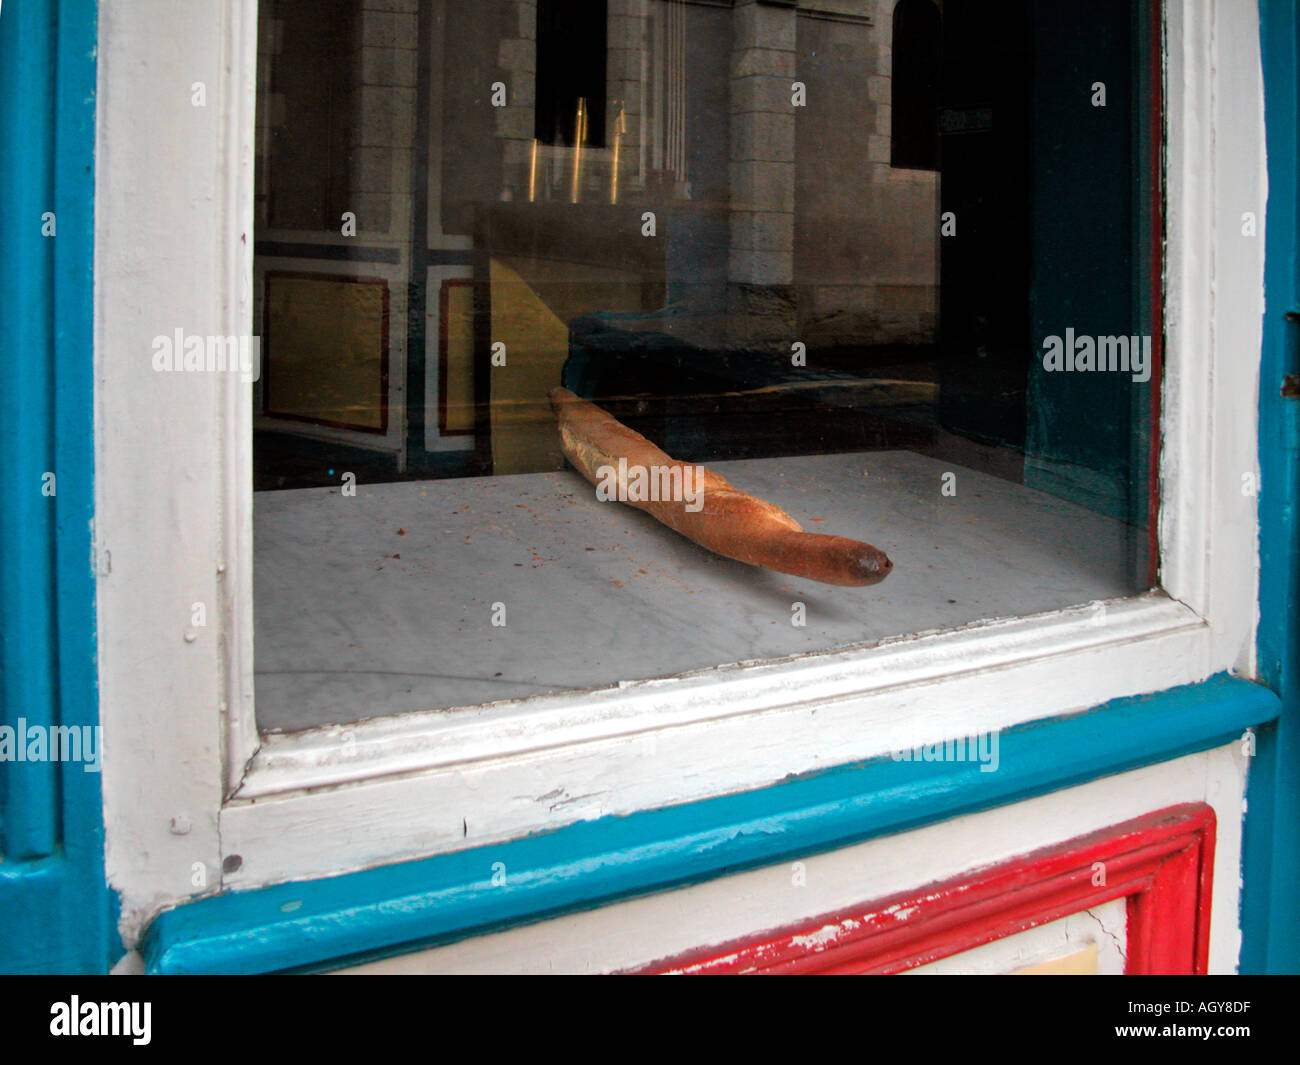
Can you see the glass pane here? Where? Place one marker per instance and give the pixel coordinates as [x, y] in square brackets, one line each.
[886, 273]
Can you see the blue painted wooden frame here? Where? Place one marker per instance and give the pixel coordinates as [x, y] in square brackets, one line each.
[1271, 843]
[56, 912]
[396, 908]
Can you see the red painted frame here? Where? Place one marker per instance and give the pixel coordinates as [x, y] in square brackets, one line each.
[1162, 863]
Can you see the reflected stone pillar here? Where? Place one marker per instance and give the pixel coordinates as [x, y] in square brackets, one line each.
[625, 70]
[761, 293]
[517, 56]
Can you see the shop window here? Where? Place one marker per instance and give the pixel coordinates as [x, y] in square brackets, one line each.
[958, 365]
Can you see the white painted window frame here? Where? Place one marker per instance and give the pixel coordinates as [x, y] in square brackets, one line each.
[195, 800]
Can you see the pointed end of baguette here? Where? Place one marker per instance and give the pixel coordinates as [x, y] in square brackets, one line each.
[870, 566]
[850, 562]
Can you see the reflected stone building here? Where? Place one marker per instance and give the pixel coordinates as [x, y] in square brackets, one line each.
[735, 175]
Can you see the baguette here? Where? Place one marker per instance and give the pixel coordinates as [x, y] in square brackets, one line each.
[722, 519]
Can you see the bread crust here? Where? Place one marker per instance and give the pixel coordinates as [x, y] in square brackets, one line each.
[730, 522]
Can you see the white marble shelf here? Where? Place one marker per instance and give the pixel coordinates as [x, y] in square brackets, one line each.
[597, 592]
